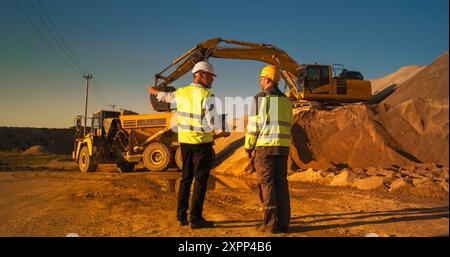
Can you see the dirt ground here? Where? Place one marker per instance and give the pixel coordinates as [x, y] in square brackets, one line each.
[106, 203]
[43, 194]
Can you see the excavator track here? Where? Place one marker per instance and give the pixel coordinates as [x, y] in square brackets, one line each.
[304, 105]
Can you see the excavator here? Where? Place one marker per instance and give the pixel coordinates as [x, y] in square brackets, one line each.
[309, 85]
[127, 138]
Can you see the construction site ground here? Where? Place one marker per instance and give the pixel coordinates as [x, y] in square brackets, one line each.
[56, 202]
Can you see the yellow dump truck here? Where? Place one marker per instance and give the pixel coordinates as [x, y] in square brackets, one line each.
[127, 138]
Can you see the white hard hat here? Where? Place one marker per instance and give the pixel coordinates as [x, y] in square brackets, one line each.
[204, 66]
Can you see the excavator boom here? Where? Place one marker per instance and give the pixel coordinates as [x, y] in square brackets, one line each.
[232, 49]
[306, 83]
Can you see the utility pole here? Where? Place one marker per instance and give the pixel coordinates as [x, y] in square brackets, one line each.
[87, 77]
[113, 106]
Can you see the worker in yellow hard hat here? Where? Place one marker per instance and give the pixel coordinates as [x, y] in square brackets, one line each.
[272, 73]
[267, 141]
[196, 140]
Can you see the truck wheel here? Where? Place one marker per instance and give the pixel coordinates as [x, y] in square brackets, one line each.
[179, 160]
[157, 156]
[85, 161]
[125, 167]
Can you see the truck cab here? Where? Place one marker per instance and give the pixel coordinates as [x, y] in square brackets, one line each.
[89, 146]
[98, 122]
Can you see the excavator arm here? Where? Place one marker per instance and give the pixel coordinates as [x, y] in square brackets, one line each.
[324, 89]
[232, 49]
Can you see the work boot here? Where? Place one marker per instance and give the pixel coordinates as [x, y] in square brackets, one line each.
[264, 229]
[282, 230]
[183, 222]
[201, 223]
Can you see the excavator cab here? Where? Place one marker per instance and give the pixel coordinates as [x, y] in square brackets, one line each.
[321, 83]
[314, 78]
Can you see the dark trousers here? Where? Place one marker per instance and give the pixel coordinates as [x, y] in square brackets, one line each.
[196, 163]
[271, 171]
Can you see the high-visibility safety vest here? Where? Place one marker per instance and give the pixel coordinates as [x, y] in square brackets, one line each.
[271, 126]
[193, 127]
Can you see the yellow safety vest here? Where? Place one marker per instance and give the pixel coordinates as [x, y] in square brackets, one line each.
[193, 128]
[272, 124]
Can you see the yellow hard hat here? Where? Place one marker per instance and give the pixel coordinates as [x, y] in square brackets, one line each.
[271, 72]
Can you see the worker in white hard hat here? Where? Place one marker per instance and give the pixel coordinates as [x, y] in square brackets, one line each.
[196, 140]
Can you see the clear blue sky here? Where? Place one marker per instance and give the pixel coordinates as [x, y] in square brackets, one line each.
[124, 43]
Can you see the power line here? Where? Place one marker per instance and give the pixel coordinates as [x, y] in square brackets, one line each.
[58, 43]
[60, 36]
[75, 65]
[44, 39]
[97, 93]
[65, 47]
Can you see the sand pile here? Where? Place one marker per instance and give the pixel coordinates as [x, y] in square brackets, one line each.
[235, 163]
[396, 78]
[431, 82]
[225, 146]
[357, 136]
[346, 137]
[420, 128]
[416, 114]
[36, 150]
[364, 136]
[411, 125]
[408, 127]
[230, 153]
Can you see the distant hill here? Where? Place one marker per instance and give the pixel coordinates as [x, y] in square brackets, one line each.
[57, 141]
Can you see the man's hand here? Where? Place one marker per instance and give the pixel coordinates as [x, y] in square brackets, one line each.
[249, 155]
[152, 90]
[221, 134]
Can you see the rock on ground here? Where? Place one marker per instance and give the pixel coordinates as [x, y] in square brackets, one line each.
[400, 184]
[345, 178]
[370, 183]
[310, 176]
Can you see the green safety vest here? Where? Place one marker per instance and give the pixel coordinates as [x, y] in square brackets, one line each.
[193, 128]
[272, 124]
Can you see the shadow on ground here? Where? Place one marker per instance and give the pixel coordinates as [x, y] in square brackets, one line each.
[308, 223]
